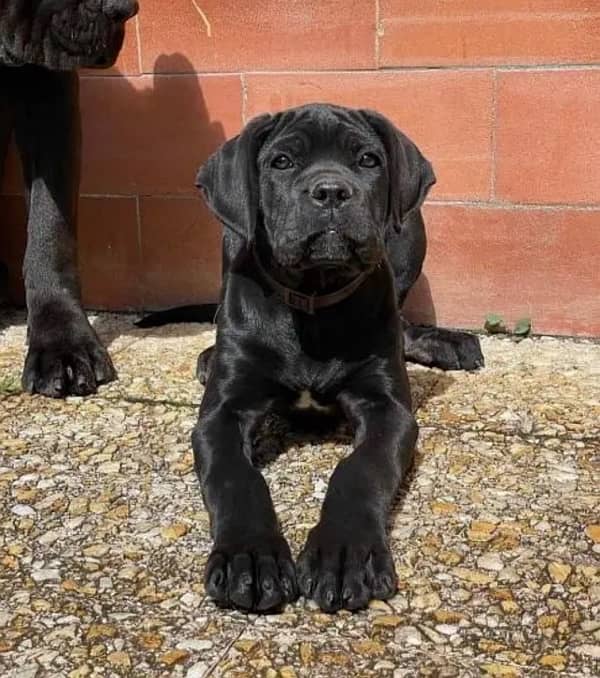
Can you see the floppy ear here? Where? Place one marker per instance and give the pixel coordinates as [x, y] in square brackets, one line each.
[229, 178]
[410, 173]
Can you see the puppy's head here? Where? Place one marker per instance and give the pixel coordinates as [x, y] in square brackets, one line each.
[322, 183]
[64, 34]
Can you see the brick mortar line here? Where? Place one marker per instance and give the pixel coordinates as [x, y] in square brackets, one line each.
[378, 34]
[141, 281]
[244, 86]
[493, 132]
[350, 71]
[482, 204]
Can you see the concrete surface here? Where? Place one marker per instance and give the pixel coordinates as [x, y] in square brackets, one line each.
[103, 533]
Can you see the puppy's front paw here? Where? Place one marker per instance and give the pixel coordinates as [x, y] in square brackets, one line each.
[346, 570]
[257, 575]
[71, 361]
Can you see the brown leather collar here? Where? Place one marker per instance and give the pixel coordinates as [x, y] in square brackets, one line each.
[309, 303]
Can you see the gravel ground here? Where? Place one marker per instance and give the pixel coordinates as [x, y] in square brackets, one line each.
[496, 538]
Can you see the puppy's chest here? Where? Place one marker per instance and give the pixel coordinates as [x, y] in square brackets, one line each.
[307, 400]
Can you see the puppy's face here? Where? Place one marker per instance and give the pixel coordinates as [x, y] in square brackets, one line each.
[64, 34]
[323, 183]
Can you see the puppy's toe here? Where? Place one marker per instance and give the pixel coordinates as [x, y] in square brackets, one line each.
[345, 571]
[254, 577]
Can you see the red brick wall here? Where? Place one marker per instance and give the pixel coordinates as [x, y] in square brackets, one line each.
[503, 97]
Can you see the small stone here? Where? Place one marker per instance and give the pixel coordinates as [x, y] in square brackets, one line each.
[547, 621]
[195, 645]
[96, 550]
[198, 670]
[48, 574]
[426, 601]
[174, 657]
[473, 576]
[593, 532]
[433, 636]
[509, 606]
[80, 672]
[501, 670]
[245, 645]
[121, 659]
[481, 531]
[447, 616]
[368, 647]
[307, 653]
[554, 661]
[101, 631]
[287, 672]
[588, 650]
[443, 507]
[389, 620]
[559, 572]
[174, 532]
[490, 561]
[109, 467]
[408, 635]
[151, 641]
[23, 510]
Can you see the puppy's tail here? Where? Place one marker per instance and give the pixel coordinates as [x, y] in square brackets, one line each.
[203, 313]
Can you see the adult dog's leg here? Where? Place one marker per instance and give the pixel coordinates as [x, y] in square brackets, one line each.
[6, 123]
[65, 355]
[6, 113]
[251, 566]
[346, 561]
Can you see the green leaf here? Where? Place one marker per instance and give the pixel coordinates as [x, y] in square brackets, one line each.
[523, 327]
[494, 324]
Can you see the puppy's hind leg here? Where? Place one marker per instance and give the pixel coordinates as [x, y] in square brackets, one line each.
[438, 347]
[204, 364]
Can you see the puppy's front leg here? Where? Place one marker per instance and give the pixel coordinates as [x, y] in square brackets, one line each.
[346, 561]
[251, 566]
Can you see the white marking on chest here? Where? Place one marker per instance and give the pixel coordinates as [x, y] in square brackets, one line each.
[307, 402]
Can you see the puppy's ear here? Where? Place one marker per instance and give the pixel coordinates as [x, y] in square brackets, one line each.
[410, 173]
[229, 178]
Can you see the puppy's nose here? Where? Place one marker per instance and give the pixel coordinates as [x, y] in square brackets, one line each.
[331, 193]
[121, 10]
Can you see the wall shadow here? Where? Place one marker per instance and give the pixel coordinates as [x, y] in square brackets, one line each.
[186, 124]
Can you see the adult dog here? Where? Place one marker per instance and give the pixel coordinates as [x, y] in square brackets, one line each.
[323, 238]
[41, 43]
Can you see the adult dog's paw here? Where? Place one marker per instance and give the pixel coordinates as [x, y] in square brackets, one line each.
[256, 576]
[69, 362]
[348, 570]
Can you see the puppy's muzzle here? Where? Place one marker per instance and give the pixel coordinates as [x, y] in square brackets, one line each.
[331, 193]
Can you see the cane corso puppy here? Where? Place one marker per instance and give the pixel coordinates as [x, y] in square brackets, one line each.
[42, 42]
[323, 238]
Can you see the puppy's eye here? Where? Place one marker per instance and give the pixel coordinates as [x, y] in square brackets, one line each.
[282, 162]
[369, 160]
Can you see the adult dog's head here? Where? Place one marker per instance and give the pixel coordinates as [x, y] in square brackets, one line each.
[63, 34]
[320, 184]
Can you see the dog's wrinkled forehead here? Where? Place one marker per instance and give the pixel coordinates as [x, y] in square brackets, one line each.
[316, 129]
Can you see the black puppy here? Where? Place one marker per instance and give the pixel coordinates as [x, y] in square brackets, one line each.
[323, 238]
[41, 43]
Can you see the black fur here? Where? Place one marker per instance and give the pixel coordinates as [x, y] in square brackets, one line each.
[317, 194]
[41, 42]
